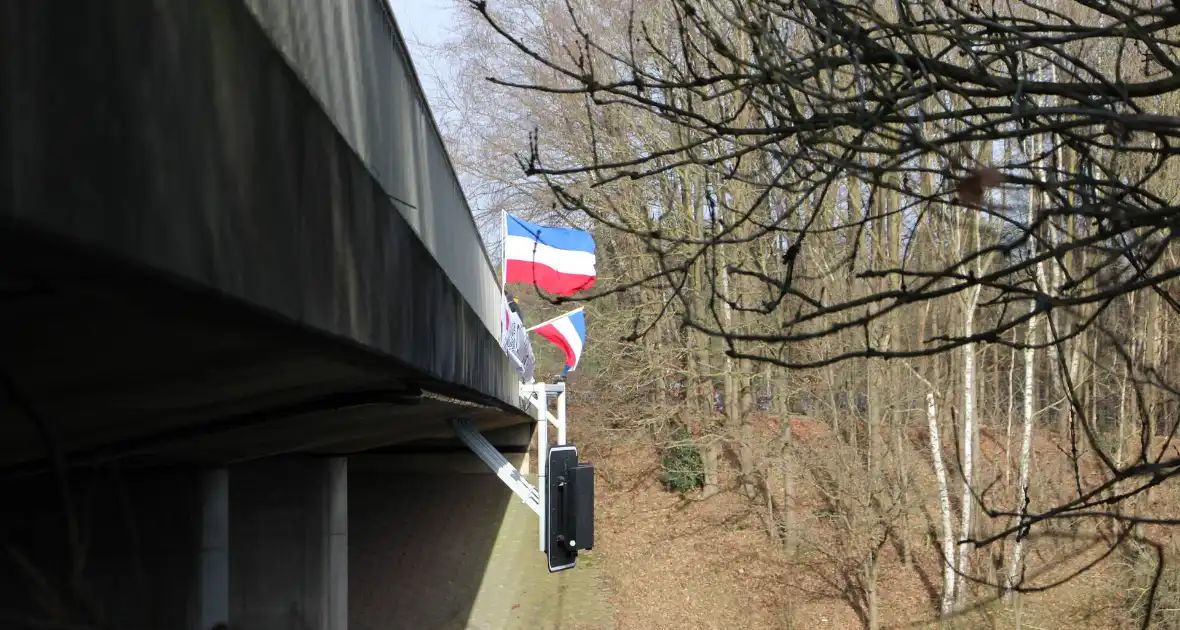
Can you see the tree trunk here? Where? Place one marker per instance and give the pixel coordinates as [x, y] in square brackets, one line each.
[944, 505]
[1015, 567]
[1008, 415]
[1120, 445]
[710, 460]
[969, 440]
[907, 557]
[872, 427]
[1015, 564]
[790, 536]
[873, 614]
[654, 344]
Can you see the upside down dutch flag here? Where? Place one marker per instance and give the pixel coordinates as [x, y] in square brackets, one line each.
[558, 260]
[567, 332]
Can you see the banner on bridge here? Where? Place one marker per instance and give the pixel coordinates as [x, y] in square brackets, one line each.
[515, 339]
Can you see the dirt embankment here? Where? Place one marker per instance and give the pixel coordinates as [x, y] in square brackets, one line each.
[672, 561]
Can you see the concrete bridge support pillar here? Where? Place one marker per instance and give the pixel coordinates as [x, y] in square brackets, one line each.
[335, 615]
[289, 545]
[213, 584]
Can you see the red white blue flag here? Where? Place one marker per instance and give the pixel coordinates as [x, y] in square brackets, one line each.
[567, 332]
[558, 260]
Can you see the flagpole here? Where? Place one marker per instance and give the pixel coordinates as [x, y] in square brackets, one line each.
[504, 250]
[549, 321]
[503, 269]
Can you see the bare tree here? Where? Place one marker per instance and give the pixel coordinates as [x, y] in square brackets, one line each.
[794, 184]
[815, 90]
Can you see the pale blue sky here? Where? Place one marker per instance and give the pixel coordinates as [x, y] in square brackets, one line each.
[424, 22]
[430, 23]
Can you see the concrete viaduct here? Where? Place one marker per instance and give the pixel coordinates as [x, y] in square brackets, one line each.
[241, 297]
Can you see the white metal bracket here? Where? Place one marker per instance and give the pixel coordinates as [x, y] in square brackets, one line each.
[535, 397]
[499, 464]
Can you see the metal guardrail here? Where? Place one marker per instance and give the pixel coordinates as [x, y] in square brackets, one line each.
[354, 59]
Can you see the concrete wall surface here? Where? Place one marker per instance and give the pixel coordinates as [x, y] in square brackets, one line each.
[353, 58]
[413, 541]
[137, 561]
[277, 560]
[176, 136]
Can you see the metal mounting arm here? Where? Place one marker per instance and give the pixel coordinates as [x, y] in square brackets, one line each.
[498, 463]
[572, 510]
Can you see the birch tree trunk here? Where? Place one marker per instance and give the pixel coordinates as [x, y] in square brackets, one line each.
[944, 505]
[1008, 415]
[968, 440]
[1015, 568]
[1015, 564]
[1120, 445]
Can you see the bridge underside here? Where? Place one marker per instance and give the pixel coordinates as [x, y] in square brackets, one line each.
[212, 311]
[195, 267]
[121, 363]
